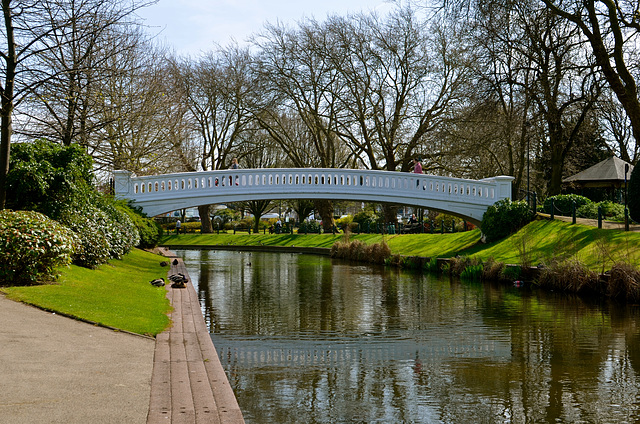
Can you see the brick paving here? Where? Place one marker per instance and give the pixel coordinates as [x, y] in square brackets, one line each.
[188, 383]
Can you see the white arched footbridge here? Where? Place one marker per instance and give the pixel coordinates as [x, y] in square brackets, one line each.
[160, 194]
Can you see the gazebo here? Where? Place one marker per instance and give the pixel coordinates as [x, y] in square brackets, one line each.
[608, 174]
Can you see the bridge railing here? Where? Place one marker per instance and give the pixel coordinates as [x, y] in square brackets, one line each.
[305, 180]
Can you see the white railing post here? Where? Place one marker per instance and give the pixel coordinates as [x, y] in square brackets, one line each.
[503, 186]
[122, 182]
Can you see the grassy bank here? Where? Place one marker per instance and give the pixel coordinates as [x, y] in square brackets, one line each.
[442, 245]
[117, 294]
[539, 242]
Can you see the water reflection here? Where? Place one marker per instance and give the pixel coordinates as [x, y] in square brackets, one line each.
[305, 339]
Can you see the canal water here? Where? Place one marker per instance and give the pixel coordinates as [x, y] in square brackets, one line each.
[307, 339]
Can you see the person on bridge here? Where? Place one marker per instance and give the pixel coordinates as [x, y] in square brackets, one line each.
[234, 165]
[417, 169]
[417, 166]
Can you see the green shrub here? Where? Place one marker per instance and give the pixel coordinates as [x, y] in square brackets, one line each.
[47, 177]
[432, 265]
[366, 219]
[448, 221]
[562, 203]
[94, 244]
[309, 227]
[105, 232]
[503, 218]
[119, 229]
[32, 246]
[610, 211]
[148, 229]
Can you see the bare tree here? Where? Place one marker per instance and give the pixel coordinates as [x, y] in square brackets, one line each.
[402, 77]
[143, 127]
[612, 29]
[297, 104]
[78, 54]
[216, 90]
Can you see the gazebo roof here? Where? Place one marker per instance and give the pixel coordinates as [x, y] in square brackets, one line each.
[610, 170]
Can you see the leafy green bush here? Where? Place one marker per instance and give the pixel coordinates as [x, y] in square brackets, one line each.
[105, 232]
[148, 229]
[309, 227]
[562, 203]
[503, 218]
[47, 177]
[366, 218]
[94, 244]
[610, 211]
[32, 246]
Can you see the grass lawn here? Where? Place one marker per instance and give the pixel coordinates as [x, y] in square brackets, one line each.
[117, 294]
[540, 241]
[442, 245]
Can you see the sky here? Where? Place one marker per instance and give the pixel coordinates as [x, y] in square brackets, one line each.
[191, 27]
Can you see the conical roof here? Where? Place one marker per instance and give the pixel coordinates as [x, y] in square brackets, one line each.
[609, 170]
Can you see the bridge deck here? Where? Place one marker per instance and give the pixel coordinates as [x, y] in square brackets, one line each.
[188, 384]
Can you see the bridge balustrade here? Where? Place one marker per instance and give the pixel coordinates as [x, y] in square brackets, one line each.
[222, 180]
[312, 183]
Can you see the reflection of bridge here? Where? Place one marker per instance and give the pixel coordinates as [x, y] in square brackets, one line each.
[159, 194]
[252, 351]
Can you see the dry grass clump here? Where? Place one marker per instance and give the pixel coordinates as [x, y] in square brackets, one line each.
[357, 250]
[460, 263]
[569, 276]
[492, 270]
[624, 282]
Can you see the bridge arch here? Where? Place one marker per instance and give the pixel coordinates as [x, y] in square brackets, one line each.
[160, 194]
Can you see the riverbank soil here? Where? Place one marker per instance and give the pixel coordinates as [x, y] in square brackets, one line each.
[57, 370]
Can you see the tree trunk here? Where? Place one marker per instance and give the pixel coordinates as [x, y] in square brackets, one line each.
[557, 164]
[6, 129]
[390, 213]
[5, 149]
[205, 219]
[325, 209]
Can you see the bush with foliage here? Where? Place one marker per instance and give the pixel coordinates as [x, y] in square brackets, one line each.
[224, 216]
[309, 227]
[32, 246]
[610, 211]
[563, 203]
[105, 232]
[366, 218]
[503, 218]
[47, 177]
[448, 221]
[119, 228]
[148, 229]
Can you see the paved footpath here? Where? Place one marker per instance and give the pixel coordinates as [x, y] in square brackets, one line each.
[55, 369]
[58, 370]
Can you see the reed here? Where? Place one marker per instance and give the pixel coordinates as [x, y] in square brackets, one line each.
[569, 275]
[624, 282]
[377, 253]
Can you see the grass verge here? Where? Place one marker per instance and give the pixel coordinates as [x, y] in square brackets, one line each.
[442, 245]
[117, 294]
[542, 241]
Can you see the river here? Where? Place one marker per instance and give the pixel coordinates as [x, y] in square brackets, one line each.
[307, 339]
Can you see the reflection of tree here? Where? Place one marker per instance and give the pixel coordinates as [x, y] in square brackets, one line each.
[204, 292]
[530, 357]
[561, 346]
